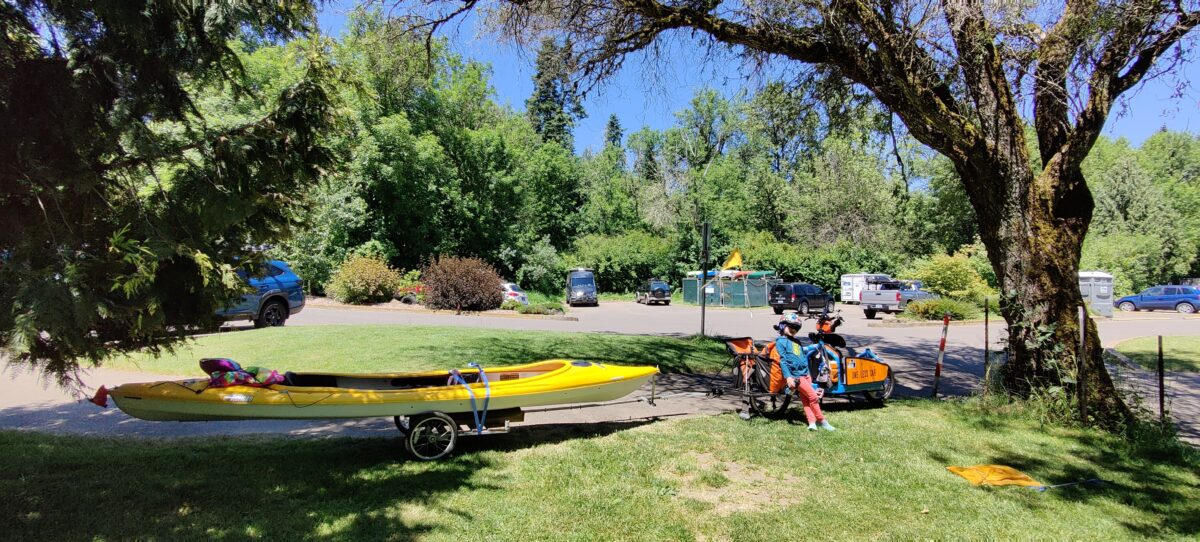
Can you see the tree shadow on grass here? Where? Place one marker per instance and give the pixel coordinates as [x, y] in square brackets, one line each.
[70, 488]
[1157, 487]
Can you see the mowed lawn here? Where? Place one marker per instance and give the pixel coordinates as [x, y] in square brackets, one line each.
[1179, 353]
[390, 348]
[880, 476]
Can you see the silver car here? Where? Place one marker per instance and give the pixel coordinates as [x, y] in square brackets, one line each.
[512, 292]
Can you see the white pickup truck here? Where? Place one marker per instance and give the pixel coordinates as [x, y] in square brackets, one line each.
[890, 297]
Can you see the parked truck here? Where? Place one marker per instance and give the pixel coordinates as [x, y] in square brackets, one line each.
[890, 297]
[854, 283]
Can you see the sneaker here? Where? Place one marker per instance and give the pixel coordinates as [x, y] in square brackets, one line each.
[825, 425]
[744, 414]
[812, 427]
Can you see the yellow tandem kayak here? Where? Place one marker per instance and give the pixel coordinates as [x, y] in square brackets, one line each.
[326, 395]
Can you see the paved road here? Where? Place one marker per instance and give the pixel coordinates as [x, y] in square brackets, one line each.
[24, 404]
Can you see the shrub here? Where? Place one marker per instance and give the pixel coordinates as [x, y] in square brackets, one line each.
[543, 268]
[541, 308]
[410, 283]
[363, 279]
[621, 262]
[511, 305]
[461, 284]
[954, 276]
[933, 309]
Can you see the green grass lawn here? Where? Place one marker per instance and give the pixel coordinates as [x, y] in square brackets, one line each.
[1179, 353]
[881, 476]
[391, 348]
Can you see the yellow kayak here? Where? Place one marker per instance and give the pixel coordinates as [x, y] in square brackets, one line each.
[326, 395]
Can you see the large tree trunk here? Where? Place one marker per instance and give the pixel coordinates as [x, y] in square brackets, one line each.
[1033, 227]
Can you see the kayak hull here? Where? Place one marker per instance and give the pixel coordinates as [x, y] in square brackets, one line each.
[362, 396]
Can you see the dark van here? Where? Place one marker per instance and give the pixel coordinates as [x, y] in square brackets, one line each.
[581, 287]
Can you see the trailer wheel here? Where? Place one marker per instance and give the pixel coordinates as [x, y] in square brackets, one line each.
[869, 313]
[762, 401]
[889, 384]
[402, 424]
[431, 436]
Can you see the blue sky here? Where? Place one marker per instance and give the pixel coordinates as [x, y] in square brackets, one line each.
[640, 96]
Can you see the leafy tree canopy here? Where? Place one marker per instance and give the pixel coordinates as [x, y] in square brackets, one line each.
[123, 208]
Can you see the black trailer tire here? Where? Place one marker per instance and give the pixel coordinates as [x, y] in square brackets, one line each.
[889, 385]
[869, 313]
[778, 310]
[431, 436]
[762, 401]
[402, 425]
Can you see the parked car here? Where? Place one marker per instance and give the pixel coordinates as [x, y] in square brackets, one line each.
[581, 287]
[278, 294]
[1185, 299]
[653, 291]
[799, 296]
[512, 292]
[891, 297]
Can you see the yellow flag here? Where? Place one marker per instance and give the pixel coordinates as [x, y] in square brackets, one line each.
[735, 259]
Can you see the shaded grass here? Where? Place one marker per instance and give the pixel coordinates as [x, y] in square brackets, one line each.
[882, 475]
[1180, 353]
[393, 348]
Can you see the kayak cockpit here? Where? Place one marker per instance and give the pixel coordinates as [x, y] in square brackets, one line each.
[410, 381]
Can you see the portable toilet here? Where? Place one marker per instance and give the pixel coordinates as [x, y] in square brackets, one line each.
[1097, 290]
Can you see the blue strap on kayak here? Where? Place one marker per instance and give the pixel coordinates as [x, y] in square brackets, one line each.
[480, 417]
[487, 394]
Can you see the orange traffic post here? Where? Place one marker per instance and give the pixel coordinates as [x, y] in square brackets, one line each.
[937, 371]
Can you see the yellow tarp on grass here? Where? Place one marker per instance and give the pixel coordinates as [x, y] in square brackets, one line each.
[995, 475]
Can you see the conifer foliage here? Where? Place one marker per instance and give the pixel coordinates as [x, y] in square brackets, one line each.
[122, 207]
[555, 105]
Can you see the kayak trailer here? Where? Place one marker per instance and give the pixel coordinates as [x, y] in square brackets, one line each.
[431, 409]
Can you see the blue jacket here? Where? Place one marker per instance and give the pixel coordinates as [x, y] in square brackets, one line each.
[793, 357]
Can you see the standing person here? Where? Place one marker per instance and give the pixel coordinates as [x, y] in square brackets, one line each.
[793, 362]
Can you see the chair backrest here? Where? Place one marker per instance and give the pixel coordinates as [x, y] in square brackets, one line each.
[770, 355]
[741, 346]
[768, 352]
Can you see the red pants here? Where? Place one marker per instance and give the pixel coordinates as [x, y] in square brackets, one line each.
[808, 396]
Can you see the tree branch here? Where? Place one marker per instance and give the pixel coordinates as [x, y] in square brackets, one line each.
[1060, 47]
[1108, 82]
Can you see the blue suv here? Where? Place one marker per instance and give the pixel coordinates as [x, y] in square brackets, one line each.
[1184, 299]
[279, 293]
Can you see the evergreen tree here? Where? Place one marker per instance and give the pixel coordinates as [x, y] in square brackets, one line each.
[612, 132]
[122, 206]
[555, 105]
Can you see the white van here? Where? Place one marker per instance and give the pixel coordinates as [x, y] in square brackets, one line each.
[854, 283]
